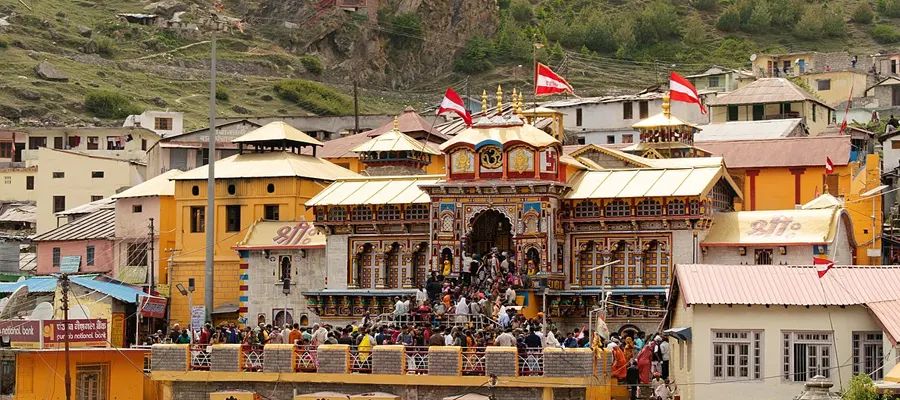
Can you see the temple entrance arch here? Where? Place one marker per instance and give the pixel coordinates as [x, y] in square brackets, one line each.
[491, 228]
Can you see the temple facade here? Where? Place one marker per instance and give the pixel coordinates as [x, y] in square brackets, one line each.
[588, 236]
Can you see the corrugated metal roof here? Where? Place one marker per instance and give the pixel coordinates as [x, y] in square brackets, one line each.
[394, 141]
[116, 289]
[275, 131]
[272, 164]
[18, 212]
[408, 122]
[806, 227]
[785, 152]
[888, 314]
[105, 203]
[661, 119]
[766, 90]
[100, 224]
[37, 284]
[749, 130]
[525, 133]
[645, 182]
[375, 190]
[161, 185]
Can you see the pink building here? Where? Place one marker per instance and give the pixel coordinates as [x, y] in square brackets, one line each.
[88, 236]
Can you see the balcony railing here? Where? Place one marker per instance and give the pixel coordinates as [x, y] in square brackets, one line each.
[416, 360]
[361, 361]
[252, 358]
[531, 362]
[473, 362]
[306, 359]
[200, 359]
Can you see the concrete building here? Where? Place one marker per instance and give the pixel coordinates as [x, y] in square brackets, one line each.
[751, 130]
[608, 120]
[802, 62]
[164, 123]
[836, 86]
[190, 150]
[764, 330]
[85, 244]
[112, 372]
[886, 94]
[127, 144]
[17, 183]
[719, 79]
[67, 179]
[322, 128]
[772, 98]
[135, 207]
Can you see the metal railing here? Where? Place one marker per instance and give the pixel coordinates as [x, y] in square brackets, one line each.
[473, 362]
[531, 362]
[416, 360]
[476, 321]
[306, 357]
[200, 357]
[252, 358]
[360, 361]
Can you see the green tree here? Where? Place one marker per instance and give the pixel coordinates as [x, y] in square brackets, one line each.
[787, 12]
[404, 29]
[706, 5]
[475, 57]
[730, 20]
[834, 24]
[106, 104]
[598, 35]
[693, 32]
[863, 13]
[624, 37]
[760, 17]
[811, 23]
[655, 23]
[885, 34]
[521, 11]
[861, 388]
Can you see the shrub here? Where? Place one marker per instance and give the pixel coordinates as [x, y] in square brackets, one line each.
[403, 29]
[811, 24]
[834, 23]
[475, 58]
[863, 13]
[312, 64]
[655, 23]
[730, 20]
[760, 18]
[222, 94]
[105, 46]
[521, 11]
[885, 34]
[314, 97]
[106, 104]
[787, 12]
[4, 43]
[706, 5]
[890, 8]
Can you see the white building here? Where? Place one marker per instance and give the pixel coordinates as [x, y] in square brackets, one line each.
[164, 123]
[608, 120]
[760, 332]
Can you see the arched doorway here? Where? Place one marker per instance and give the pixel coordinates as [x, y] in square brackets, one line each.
[491, 229]
[532, 261]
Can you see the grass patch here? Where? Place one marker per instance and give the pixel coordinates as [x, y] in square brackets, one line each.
[312, 64]
[107, 104]
[314, 97]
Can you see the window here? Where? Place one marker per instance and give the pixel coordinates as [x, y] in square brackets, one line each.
[137, 254]
[618, 208]
[137, 208]
[271, 212]
[114, 143]
[644, 108]
[417, 212]
[581, 140]
[628, 138]
[35, 142]
[737, 355]
[6, 150]
[89, 258]
[759, 112]
[578, 117]
[202, 157]
[627, 110]
[814, 112]
[868, 350]
[56, 256]
[93, 143]
[284, 272]
[195, 190]
[895, 95]
[270, 188]
[58, 142]
[95, 197]
[587, 209]
[59, 175]
[144, 144]
[232, 218]
[610, 139]
[337, 214]
[320, 214]
[733, 113]
[59, 203]
[91, 382]
[361, 213]
[74, 141]
[649, 208]
[7, 180]
[805, 355]
[763, 256]
[675, 207]
[97, 174]
[231, 189]
[823, 84]
[163, 124]
[198, 219]
[713, 82]
[694, 207]
[29, 183]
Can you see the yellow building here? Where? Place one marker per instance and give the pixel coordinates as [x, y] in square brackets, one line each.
[771, 98]
[268, 179]
[835, 87]
[96, 374]
[17, 184]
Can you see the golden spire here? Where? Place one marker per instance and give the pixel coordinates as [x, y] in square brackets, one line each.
[499, 100]
[484, 103]
[396, 124]
[666, 107]
[521, 108]
[515, 101]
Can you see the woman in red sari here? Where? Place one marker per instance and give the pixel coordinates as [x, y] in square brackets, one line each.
[620, 364]
[644, 358]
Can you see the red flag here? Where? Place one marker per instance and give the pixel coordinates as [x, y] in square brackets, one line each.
[453, 103]
[548, 82]
[847, 111]
[822, 265]
[829, 166]
[680, 89]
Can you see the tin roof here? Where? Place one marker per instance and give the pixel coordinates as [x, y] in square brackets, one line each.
[35, 284]
[783, 152]
[766, 90]
[748, 130]
[18, 212]
[100, 224]
[161, 185]
[408, 122]
[270, 165]
[394, 141]
[647, 182]
[106, 285]
[275, 131]
[500, 135]
[87, 208]
[661, 119]
[266, 235]
[888, 315]
[375, 190]
[817, 226]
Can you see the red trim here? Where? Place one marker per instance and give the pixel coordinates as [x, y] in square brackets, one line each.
[244, 266]
[242, 309]
[797, 172]
[276, 247]
[752, 174]
[243, 288]
[759, 244]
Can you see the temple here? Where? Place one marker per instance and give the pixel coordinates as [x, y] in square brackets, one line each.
[596, 228]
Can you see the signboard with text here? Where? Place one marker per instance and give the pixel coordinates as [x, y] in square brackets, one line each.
[198, 316]
[69, 264]
[21, 333]
[153, 307]
[82, 333]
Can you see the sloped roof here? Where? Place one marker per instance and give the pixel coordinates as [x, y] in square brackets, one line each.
[95, 205]
[274, 131]
[408, 121]
[807, 227]
[766, 90]
[888, 315]
[375, 190]
[161, 185]
[272, 164]
[394, 141]
[747, 130]
[115, 289]
[18, 212]
[343, 147]
[783, 152]
[100, 224]
[647, 182]
[661, 119]
[500, 135]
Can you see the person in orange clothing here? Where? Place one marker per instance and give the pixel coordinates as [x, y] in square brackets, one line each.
[296, 335]
[629, 348]
[643, 360]
[620, 363]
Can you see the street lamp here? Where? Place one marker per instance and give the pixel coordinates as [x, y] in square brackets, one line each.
[190, 298]
[286, 289]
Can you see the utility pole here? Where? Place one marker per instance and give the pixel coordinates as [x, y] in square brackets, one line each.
[152, 260]
[468, 101]
[355, 109]
[211, 182]
[64, 280]
[566, 72]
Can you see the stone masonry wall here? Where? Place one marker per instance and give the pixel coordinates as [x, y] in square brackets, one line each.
[285, 390]
[575, 362]
[501, 361]
[334, 358]
[279, 358]
[169, 357]
[389, 359]
[445, 360]
[225, 358]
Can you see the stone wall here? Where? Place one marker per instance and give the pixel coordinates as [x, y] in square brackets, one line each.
[501, 361]
[389, 359]
[265, 296]
[575, 362]
[225, 358]
[334, 358]
[169, 357]
[285, 390]
[279, 358]
[445, 360]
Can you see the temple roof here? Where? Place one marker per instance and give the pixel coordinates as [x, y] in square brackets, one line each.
[648, 182]
[270, 165]
[375, 190]
[806, 227]
[277, 131]
[394, 141]
[661, 119]
[501, 135]
[408, 122]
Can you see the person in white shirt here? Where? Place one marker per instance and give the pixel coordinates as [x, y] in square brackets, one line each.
[421, 295]
[505, 339]
[551, 340]
[320, 335]
[510, 295]
[448, 337]
[664, 349]
[399, 311]
[286, 334]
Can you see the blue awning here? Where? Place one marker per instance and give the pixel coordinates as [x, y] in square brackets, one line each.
[41, 284]
[681, 333]
[117, 290]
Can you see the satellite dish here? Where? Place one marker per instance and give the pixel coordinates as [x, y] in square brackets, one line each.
[797, 61]
[21, 279]
[79, 312]
[16, 301]
[43, 311]
[752, 57]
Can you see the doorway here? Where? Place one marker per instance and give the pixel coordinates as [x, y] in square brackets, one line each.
[491, 229]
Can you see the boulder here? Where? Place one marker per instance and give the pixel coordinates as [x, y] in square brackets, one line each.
[48, 72]
[26, 94]
[10, 112]
[158, 101]
[241, 110]
[84, 31]
[166, 8]
[266, 97]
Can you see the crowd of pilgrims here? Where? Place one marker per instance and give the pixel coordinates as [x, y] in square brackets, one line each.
[475, 310]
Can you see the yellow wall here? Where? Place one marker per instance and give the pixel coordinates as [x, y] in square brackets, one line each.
[15, 189]
[861, 210]
[167, 226]
[841, 83]
[290, 193]
[39, 375]
[719, 114]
